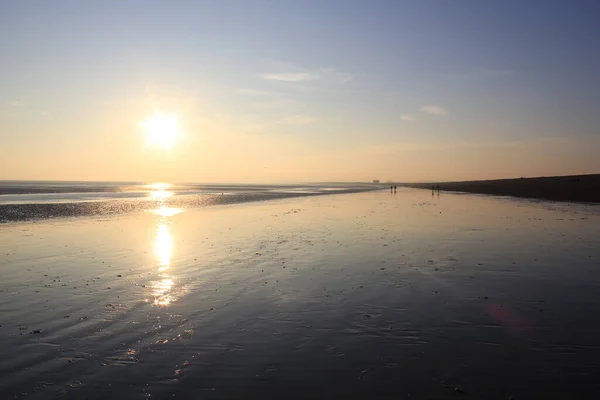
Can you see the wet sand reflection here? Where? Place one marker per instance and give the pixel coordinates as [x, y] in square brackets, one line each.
[162, 289]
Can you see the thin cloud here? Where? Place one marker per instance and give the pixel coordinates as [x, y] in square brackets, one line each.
[253, 127]
[406, 146]
[287, 72]
[290, 76]
[408, 118]
[482, 74]
[15, 103]
[224, 117]
[412, 146]
[434, 110]
[489, 73]
[278, 103]
[299, 119]
[335, 76]
[556, 139]
[255, 92]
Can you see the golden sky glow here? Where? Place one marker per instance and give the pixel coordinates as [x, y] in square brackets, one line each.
[176, 95]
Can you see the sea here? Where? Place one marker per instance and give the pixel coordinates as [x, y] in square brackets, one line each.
[32, 200]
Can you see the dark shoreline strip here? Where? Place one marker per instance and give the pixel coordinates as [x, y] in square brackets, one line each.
[574, 188]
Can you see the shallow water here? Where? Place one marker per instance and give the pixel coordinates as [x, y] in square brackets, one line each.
[25, 200]
[364, 295]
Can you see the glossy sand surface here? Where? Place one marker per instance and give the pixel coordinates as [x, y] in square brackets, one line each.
[363, 294]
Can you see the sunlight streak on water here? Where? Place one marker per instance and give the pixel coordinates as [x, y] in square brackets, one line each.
[161, 194]
[158, 191]
[159, 186]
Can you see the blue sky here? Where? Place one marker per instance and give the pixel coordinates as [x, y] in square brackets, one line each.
[279, 90]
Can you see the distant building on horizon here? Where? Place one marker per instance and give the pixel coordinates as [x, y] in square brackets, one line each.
[375, 180]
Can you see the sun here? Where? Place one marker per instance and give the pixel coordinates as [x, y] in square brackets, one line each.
[162, 130]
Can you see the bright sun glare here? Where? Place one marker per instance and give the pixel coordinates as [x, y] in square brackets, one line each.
[162, 130]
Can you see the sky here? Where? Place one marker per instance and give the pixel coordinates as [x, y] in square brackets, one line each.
[268, 91]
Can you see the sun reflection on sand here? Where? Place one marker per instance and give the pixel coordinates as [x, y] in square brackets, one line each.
[162, 289]
[162, 292]
[165, 211]
[163, 247]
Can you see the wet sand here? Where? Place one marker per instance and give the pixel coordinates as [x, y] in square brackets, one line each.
[581, 188]
[364, 295]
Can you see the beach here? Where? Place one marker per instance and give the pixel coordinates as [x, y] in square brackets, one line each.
[580, 188]
[359, 294]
